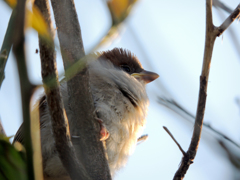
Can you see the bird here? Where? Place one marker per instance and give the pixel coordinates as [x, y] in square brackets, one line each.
[118, 87]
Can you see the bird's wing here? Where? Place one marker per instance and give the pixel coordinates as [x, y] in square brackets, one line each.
[128, 94]
[19, 136]
[123, 83]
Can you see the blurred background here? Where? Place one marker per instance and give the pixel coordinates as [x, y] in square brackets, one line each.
[168, 38]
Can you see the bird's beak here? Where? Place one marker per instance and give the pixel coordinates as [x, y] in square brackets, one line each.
[146, 76]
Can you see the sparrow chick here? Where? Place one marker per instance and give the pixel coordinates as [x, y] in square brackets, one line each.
[117, 82]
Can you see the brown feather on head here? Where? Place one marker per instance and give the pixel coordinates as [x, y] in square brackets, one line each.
[129, 63]
[123, 59]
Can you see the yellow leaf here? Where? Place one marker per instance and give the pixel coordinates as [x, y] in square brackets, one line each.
[120, 9]
[11, 3]
[36, 21]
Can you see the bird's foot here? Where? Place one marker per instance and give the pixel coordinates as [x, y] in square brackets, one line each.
[104, 134]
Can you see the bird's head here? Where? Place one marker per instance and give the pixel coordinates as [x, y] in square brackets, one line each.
[128, 62]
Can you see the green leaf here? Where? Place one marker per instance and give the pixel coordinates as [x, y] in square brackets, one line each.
[12, 161]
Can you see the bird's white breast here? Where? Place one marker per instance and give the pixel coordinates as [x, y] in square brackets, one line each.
[123, 119]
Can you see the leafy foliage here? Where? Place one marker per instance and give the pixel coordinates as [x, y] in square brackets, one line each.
[12, 160]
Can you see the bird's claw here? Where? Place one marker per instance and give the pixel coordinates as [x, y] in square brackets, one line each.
[104, 134]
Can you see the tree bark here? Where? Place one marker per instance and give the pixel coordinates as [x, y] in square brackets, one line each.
[88, 146]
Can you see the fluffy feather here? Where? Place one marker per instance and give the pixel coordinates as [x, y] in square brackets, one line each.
[123, 119]
[120, 100]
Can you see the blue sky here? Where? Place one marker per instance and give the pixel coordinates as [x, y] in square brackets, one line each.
[168, 38]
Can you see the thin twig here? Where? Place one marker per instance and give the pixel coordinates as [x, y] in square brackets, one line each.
[59, 120]
[177, 108]
[89, 148]
[219, 4]
[179, 146]
[26, 86]
[228, 21]
[211, 34]
[6, 46]
[209, 42]
[232, 156]
[232, 33]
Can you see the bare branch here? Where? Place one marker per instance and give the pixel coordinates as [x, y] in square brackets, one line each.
[89, 149]
[232, 156]
[219, 4]
[26, 86]
[49, 71]
[69, 32]
[170, 134]
[177, 108]
[6, 46]
[232, 33]
[211, 34]
[228, 21]
[209, 43]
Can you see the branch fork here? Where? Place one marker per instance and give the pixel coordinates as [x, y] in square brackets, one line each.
[211, 33]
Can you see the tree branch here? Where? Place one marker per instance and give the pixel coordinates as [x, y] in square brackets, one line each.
[228, 21]
[177, 108]
[89, 149]
[209, 42]
[232, 33]
[232, 155]
[221, 5]
[59, 120]
[6, 46]
[67, 22]
[179, 146]
[26, 86]
[211, 34]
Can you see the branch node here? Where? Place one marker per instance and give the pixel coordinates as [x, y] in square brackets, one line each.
[235, 14]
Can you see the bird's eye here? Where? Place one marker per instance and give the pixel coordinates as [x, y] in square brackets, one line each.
[126, 68]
